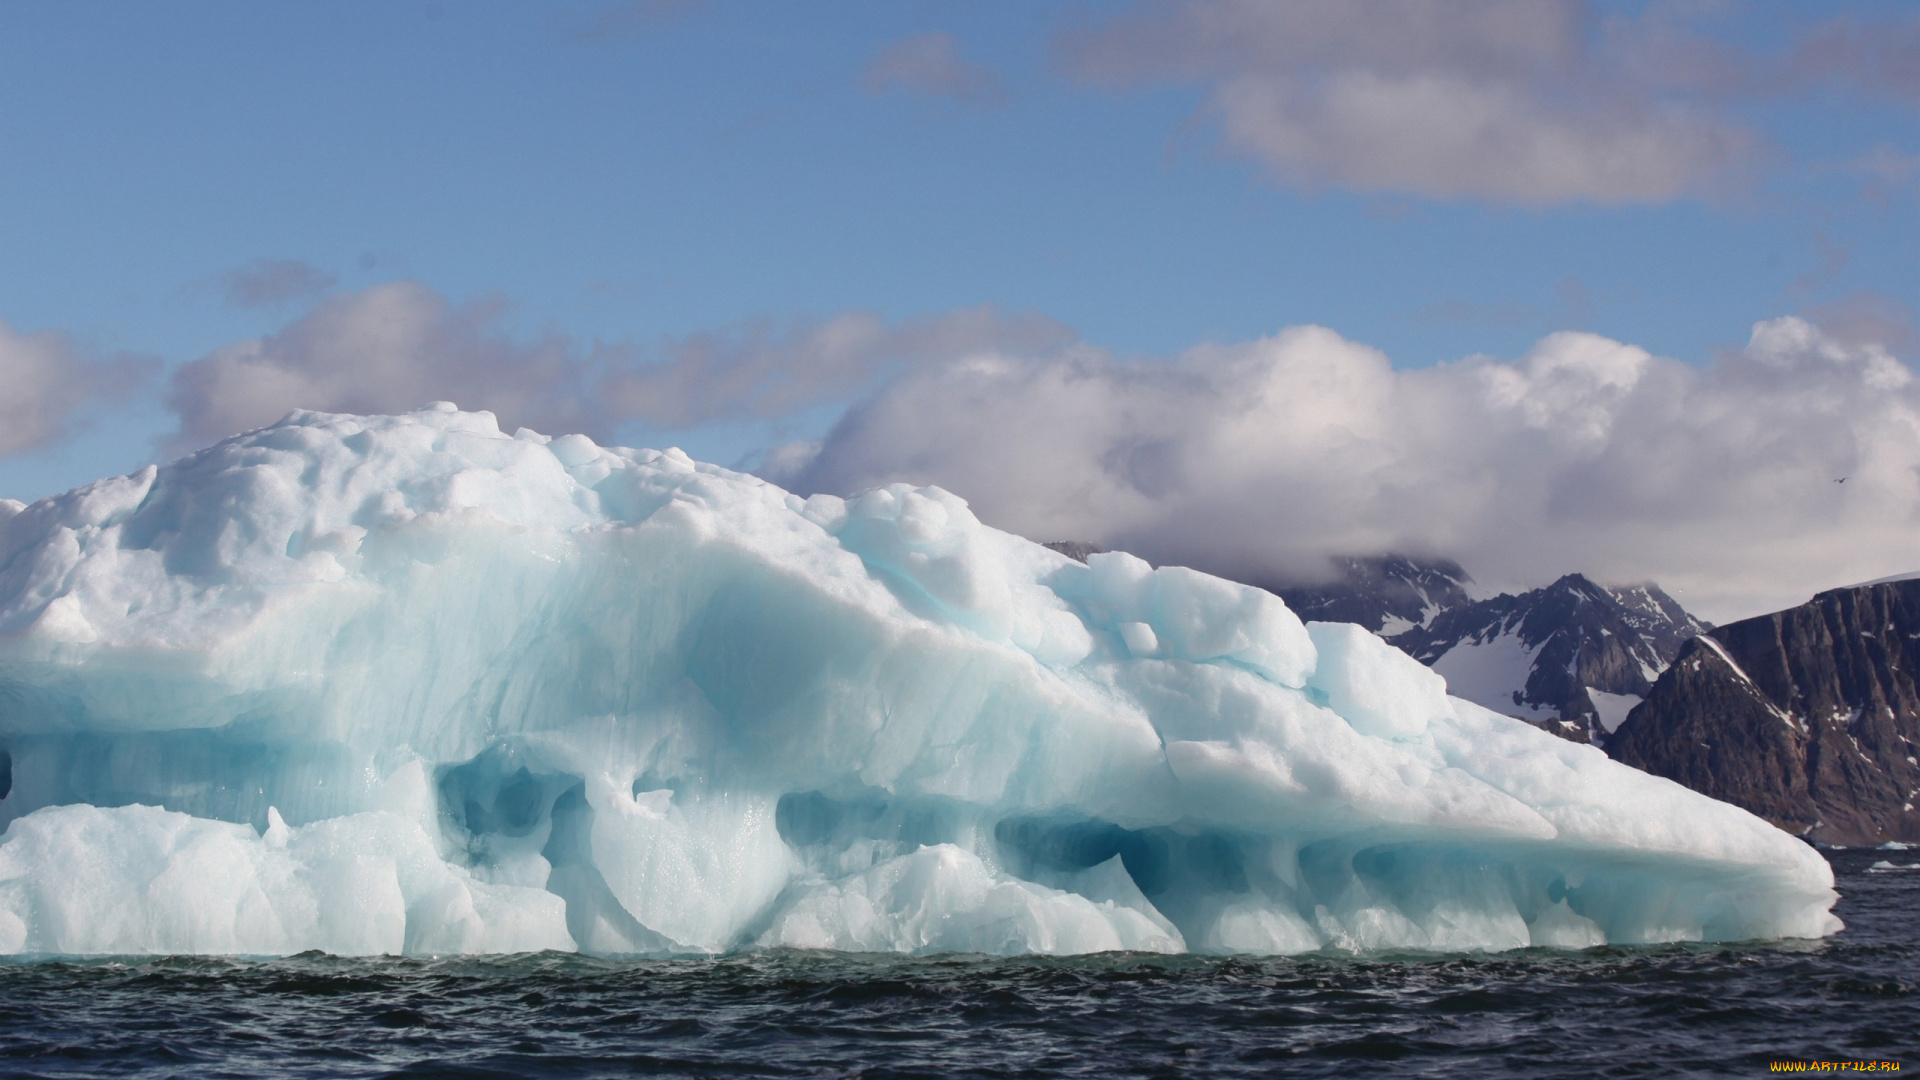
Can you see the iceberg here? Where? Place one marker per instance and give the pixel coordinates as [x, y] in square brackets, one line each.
[409, 684]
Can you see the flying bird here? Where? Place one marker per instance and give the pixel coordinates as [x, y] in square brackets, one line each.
[1843, 480]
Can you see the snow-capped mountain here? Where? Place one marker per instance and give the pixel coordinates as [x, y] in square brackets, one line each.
[1387, 594]
[1574, 657]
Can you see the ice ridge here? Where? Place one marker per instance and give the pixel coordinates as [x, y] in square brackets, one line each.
[408, 684]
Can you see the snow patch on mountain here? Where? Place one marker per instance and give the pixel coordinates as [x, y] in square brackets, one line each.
[1492, 671]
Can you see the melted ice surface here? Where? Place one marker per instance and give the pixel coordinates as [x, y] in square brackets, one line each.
[410, 684]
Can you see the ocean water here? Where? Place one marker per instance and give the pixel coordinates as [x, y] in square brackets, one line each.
[1727, 1010]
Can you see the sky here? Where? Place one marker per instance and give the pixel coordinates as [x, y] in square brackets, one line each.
[1625, 289]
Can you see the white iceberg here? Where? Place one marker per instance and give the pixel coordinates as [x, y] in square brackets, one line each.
[409, 684]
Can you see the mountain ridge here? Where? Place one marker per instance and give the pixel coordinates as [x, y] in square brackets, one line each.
[1387, 594]
[1585, 646]
[1808, 716]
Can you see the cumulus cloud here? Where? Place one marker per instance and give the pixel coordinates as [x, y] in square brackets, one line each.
[1263, 458]
[1517, 100]
[265, 282]
[1868, 319]
[761, 370]
[385, 349]
[395, 346]
[1257, 459]
[47, 382]
[931, 64]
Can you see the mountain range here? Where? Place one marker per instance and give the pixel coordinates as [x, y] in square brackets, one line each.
[1573, 656]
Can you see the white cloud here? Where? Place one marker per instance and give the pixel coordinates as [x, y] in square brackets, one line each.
[396, 346]
[47, 383]
[1586, 454]
[386, 349]
[761, 370]
[1257, 458]
[931, 64]
[1449, 136]
[1516, 100]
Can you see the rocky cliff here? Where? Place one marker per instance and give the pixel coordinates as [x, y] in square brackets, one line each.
[1809, 717]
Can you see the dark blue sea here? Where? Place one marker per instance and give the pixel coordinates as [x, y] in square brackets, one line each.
[1727, 1010]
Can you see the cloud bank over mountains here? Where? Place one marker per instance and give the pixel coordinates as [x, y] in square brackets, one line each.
[391, 347]
[1782, 467]
[1260, 458]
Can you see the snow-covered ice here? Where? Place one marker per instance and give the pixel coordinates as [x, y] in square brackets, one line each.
[409, 684]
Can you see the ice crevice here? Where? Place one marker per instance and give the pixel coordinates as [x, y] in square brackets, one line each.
[409, 684]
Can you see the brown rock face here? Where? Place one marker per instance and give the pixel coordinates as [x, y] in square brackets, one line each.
[1808, 717]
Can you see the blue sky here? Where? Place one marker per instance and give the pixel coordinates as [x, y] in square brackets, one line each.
[629, 185]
